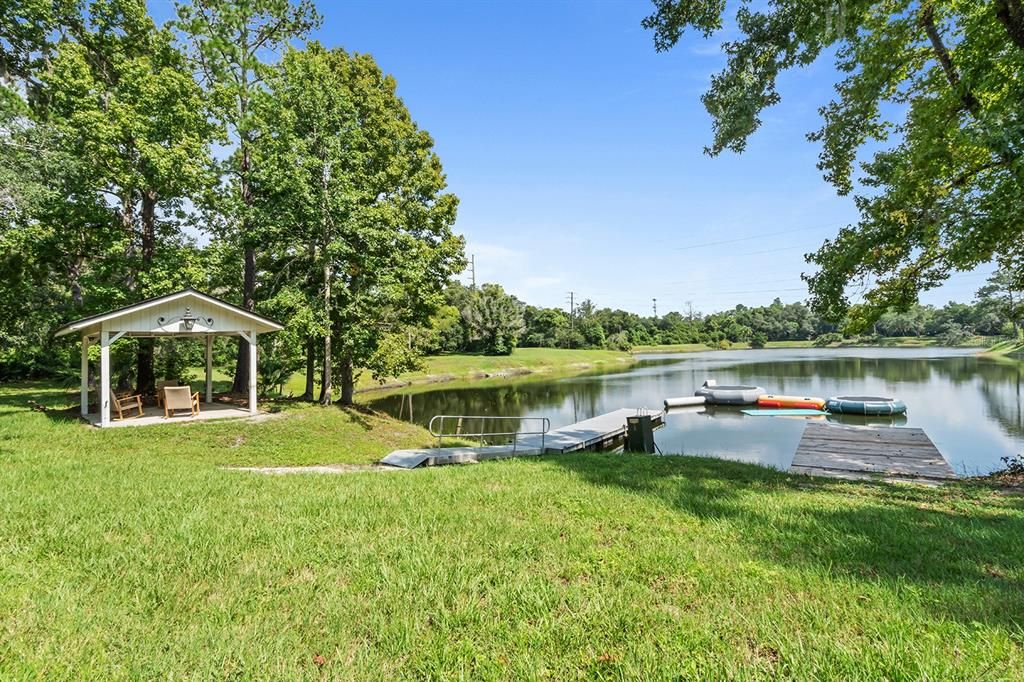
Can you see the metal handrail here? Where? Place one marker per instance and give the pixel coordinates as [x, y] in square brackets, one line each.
[459, 433]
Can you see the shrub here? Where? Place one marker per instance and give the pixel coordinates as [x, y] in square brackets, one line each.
[828, 339]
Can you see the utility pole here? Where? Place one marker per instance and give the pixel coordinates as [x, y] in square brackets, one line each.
[572, 316]
[472, 270]
[654, 302]
[689, 309]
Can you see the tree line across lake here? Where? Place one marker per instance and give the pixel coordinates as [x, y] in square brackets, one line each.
[491, 321]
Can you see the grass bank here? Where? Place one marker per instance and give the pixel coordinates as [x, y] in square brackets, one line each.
[522, 361]
[1007, 347]
[470, 367]
[886, 342]
[128, 553]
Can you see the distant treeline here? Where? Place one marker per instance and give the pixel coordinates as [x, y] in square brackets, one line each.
[491, 321]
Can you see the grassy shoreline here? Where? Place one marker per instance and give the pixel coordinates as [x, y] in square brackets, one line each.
[130, 553]
[1007, 348]
[522, 361]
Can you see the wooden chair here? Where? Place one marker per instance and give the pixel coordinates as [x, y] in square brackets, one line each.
[126, 403]
[178, 398]
[160, 386]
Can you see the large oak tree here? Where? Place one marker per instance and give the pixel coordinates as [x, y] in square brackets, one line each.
[936, 86]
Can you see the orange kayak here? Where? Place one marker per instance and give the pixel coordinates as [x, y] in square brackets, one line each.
[791, 401]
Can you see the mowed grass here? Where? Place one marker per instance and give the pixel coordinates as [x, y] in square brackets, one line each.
[129, 553]
[465, 366]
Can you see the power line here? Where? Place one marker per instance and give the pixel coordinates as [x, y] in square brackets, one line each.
[746, 239]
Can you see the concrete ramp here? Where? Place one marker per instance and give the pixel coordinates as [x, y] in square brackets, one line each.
[410, 459]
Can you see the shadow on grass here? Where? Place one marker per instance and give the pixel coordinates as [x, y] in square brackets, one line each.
[56, 402]
[963, 543]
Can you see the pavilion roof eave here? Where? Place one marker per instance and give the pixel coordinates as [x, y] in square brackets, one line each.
[88, 326]
[163, 335]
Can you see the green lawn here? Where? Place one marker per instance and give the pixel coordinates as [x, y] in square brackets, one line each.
[129, 553]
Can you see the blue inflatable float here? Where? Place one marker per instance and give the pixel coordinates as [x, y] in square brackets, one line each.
[867, 405]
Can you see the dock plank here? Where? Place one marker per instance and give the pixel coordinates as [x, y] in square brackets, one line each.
[862, 452]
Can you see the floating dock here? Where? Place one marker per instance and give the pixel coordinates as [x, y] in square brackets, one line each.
[588, 434]
[858, 452]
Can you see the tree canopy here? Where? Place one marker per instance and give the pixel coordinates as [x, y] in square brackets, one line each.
[934, 86]
[219, 152]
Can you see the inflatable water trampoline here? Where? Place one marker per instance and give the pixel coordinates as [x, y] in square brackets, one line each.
[729, 395]
[866, 405]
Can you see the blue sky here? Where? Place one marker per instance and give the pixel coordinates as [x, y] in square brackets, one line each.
[576, 152]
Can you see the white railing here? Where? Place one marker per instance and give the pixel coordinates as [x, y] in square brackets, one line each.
[437, 428]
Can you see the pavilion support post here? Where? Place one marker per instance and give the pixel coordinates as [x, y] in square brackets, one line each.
[209, 368]
[252, 372]
[105, 378]
[85, 375]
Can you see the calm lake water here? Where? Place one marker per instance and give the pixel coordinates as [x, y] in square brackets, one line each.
[970, 406]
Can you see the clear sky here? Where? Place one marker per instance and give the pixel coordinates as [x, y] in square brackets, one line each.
[576, 152]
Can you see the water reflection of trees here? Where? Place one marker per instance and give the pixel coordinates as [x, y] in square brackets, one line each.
[916, 370]
[513, 400]
[1003, 397]
[1000, 384]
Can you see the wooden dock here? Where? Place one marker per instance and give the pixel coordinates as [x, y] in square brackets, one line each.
[857, 452]
[585, 435]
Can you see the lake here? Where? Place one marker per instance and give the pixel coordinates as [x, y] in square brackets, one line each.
[970, 406]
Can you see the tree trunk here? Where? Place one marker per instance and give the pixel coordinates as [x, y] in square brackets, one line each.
[348, 387]
[1013, 315]
[148, 232]
[326, 385]
[1011, 14]
[145, 375]
[241, 381]
[310, 369]
[128, 225]
[75, 281]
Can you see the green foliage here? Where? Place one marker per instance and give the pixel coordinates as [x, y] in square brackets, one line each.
[351, 194]
[494, 319]
[932, 89]
[328, 210]
[828, 339]
[756, 326]
[953, 334]
[106, 138]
